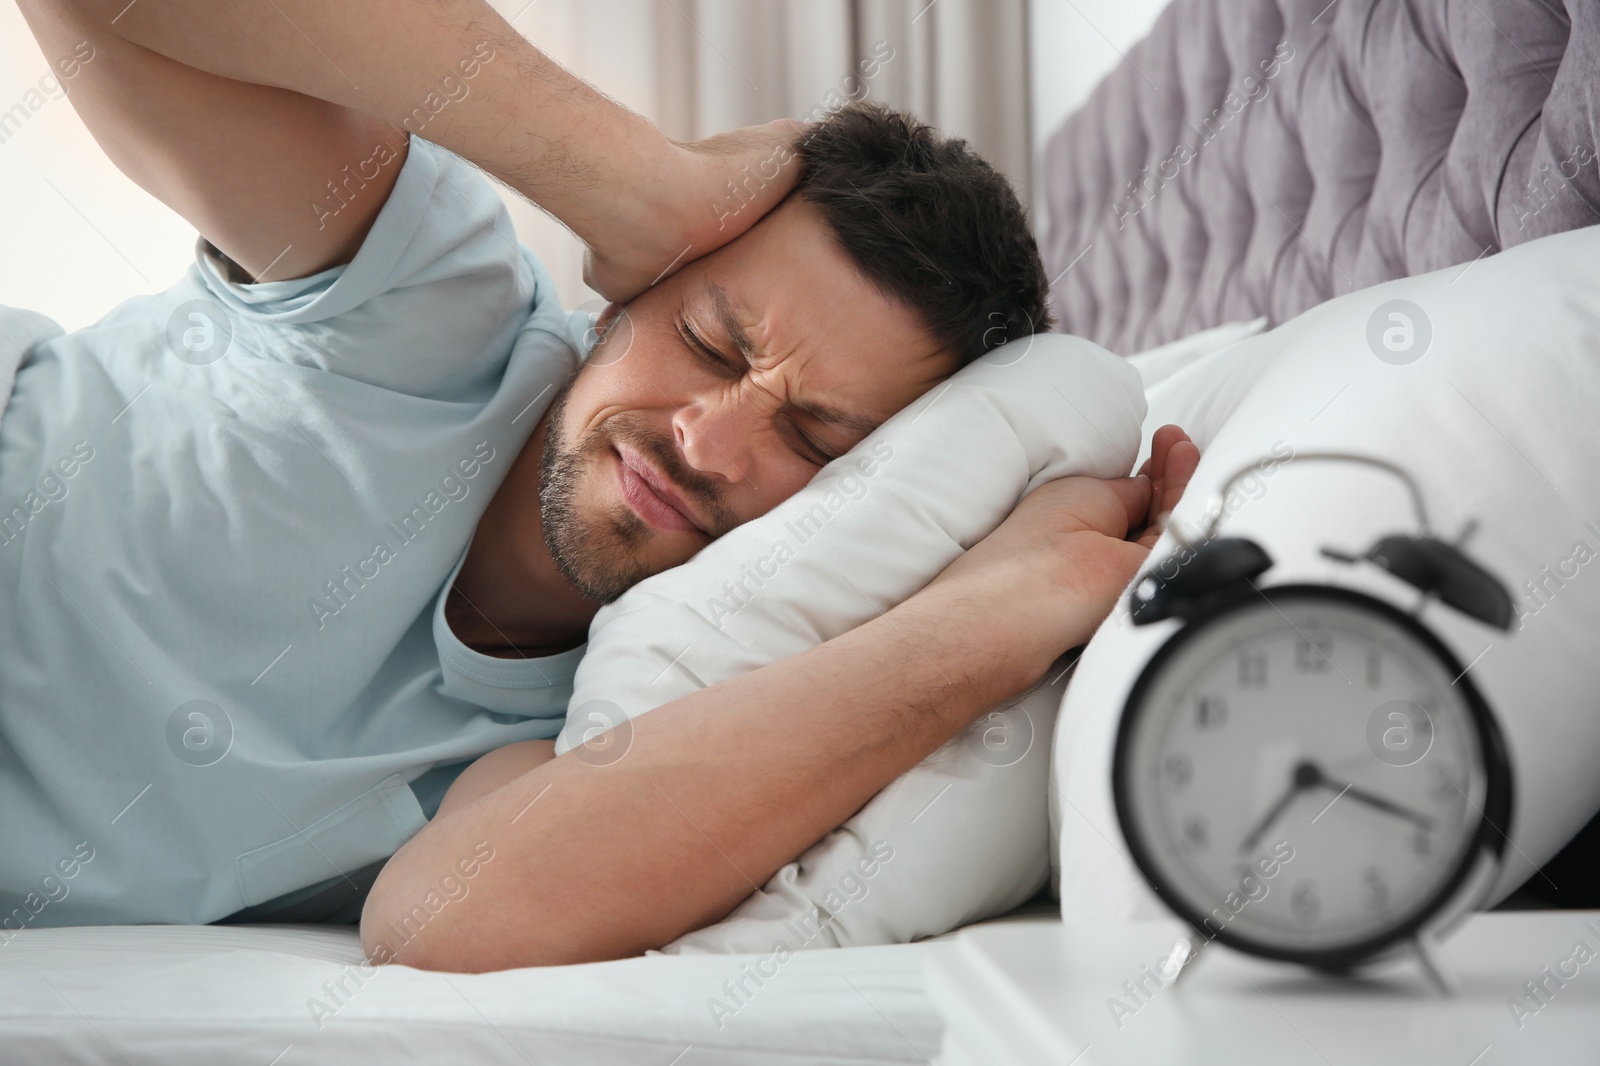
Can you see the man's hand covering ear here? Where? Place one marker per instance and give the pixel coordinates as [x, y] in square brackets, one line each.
[710, 192]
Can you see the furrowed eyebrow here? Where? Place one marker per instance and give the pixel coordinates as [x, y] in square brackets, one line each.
[728, 318]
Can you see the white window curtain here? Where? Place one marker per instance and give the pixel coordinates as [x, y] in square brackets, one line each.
[697, 67]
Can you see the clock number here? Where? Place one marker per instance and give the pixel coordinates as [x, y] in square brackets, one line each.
[1178, 770]
[1310, 657]
[1252, 669]
[1196, 834]
[1304, 903]
[1377, 889]
[1211, 712]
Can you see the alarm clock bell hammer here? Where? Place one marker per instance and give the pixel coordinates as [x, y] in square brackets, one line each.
[1220, 565]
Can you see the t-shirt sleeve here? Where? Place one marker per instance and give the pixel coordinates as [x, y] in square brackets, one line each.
[430, 305]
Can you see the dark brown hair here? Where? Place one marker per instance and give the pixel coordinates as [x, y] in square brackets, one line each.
[930, 223]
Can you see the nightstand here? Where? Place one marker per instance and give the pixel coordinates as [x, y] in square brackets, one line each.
[1039, 992]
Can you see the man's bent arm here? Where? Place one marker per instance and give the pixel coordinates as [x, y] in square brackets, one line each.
[456, 73]
[721, 788]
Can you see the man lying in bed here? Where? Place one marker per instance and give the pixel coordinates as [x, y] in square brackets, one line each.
[302, 537]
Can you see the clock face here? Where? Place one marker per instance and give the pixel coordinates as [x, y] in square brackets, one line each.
[1304, 774]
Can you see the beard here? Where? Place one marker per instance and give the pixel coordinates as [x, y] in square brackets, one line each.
[601, 550]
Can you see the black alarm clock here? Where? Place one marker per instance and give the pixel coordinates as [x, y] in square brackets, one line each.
[1306, 772]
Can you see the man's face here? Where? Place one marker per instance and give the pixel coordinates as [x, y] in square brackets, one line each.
[717, 394]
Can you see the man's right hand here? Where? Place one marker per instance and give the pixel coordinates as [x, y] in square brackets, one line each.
[1052, 571]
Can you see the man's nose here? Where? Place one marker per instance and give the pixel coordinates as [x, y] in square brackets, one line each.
[715, 434]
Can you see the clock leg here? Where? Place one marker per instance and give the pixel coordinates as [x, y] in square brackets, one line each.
[1434, 963]
[1185, 956]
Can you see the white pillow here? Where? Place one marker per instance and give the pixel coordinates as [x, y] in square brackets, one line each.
[1156, 365]
[1487, 409]
[965, 833]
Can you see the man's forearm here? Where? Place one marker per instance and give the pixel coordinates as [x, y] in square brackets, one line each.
[717, 791]
[500, 102]
[457, 73]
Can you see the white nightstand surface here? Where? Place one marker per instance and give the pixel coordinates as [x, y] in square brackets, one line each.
[1020, 993]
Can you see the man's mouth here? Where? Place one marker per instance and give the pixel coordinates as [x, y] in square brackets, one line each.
[651, 494]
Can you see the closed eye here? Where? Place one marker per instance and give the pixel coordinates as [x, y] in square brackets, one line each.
[809, 449]
[801, 442]
[705, 351]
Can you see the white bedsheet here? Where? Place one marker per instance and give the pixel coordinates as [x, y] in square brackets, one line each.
[200, 996]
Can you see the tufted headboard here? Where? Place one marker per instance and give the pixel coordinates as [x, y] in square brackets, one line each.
[1258, 157]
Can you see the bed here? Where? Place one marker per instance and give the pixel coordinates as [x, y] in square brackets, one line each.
[287, 995]
[1329, 146]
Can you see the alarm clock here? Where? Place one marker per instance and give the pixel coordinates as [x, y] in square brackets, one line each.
[1306, 772]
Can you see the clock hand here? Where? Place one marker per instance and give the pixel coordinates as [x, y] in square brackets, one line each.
[1306, 775]
[1372, 799]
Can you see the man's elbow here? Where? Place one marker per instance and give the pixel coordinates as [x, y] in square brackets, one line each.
[473, 936]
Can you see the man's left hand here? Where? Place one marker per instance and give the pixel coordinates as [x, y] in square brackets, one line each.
[709, 192]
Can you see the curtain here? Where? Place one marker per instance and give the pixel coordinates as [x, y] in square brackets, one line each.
[697, 67]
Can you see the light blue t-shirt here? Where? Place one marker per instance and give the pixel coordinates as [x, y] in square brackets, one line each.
[228, 515]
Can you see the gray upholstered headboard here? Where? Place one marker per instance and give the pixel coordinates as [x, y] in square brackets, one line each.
[1260, 156]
